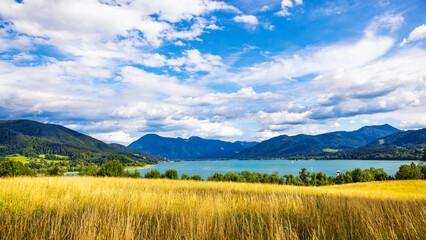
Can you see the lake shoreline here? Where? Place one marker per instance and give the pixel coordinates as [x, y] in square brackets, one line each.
[206, 168]
[138, 167]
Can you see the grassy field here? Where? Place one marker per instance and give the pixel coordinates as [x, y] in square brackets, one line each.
[24, 159]
[121, 208]
[330, 150]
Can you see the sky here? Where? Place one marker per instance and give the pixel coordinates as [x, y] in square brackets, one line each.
[230, 70]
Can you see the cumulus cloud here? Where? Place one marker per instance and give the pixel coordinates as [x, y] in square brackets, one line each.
[286, 5]
[417, 34]
[316, 60]
[194, 61]
[121, 77]
[250, 19]
[114, 137]
[96, 31]
[244, 95]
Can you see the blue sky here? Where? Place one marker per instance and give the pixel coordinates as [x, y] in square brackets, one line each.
[231, 70]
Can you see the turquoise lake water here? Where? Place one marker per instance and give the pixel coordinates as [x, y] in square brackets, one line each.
[329, 167]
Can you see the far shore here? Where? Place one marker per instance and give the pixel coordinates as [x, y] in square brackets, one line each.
[137, 167]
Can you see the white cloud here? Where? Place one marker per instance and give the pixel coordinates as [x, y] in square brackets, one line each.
[265, 8]
[244, 95]
[335, 125]
[413, 124]
[286, 5]
[417, 34]
[384, 86]
[267, 134]
[194, 61]
[365, 122]
[281, 119]
[214, 27]
[316, 60]
[390, 22]
[96, 33]
[114, 137]
[153, 86]
[250, 19]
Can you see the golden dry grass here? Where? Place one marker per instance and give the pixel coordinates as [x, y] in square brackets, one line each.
[120, 208]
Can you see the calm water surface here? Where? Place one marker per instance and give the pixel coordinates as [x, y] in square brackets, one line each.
[329, 167]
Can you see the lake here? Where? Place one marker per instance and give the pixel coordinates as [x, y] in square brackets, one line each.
[329, 167]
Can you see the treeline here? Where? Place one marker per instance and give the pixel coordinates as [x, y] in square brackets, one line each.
[114, 168]
[415, 153]
[305, 178]
[12, 168]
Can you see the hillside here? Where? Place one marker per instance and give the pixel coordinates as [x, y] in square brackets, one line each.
[57, 134]
[180, 148]
[32, 138]
[404, 139]
[309, 145]
[401, 145]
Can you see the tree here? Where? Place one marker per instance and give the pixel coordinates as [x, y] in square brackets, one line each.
[112, 168]
[89, 170]
[409, 172]
[135, 174]
[154, 173]
[216, 177]
[170, 174]
[184, 176]
[356, 175]
[196, 178]
[54, 171]
[422, 167]
[304, 176]
[347, 177]
[379, 174]
[12, 168]
[366, 176]
[233, 177]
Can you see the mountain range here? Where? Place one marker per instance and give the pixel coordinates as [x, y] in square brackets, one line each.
[191, 148]
[315, 145]
[370, 142]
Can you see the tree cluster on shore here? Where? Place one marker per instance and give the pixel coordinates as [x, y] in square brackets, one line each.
[114, 168]
[412, 171]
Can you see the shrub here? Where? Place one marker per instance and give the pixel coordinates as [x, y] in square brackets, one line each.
[12, 168]
[170, 174]
[409, 172]
[55, 171]
[154, 173]
[197, 178]
[112, 168]
[184, 176]
[216, 177]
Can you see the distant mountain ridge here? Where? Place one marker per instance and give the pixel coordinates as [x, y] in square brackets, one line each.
[310, 145]
[180, 148]
[409, 144]
[403, 139]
